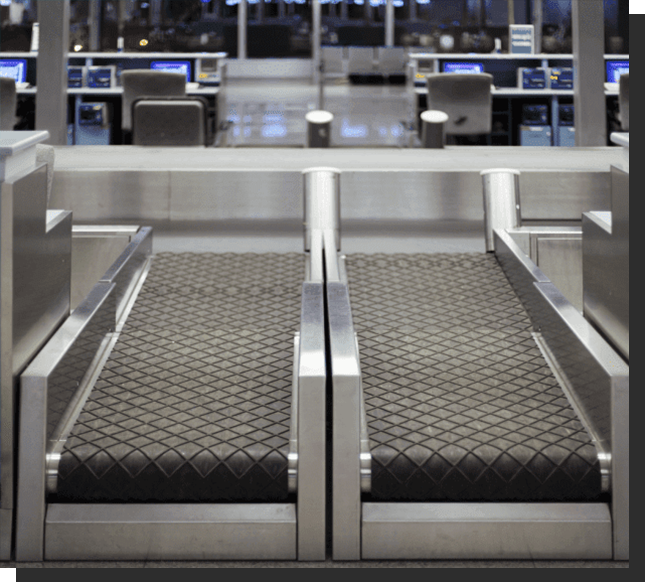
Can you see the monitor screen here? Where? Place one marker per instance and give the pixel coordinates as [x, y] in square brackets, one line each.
[15, 69]
[463, 67]
[173, 67]
[615, 69]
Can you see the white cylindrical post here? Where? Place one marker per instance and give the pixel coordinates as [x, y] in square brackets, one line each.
[319, 128]
[432, 123]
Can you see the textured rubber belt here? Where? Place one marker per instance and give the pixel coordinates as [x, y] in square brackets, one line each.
[194, 403]
[461, 405]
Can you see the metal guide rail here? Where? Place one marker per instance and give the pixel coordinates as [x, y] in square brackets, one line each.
[184, 412]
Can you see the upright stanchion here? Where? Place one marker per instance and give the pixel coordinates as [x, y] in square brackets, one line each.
[432, 123]
[321, 203]
[501, 201]
[319, 128]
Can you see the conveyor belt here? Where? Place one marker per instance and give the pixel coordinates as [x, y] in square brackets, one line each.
[194, 401]
[460, 403]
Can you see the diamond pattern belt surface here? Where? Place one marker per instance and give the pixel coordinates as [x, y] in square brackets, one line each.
[461, 405]
[194, 402]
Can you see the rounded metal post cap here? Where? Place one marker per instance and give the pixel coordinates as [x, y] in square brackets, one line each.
[321, 169]
[434, 116]
[319, 116]
[499, 171]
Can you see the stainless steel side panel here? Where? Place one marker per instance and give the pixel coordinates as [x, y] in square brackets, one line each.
[499, 531]
[606, 267]
[311, 402]
[49, 387]
[560, 258]
[125, 271]
[249, 191]
[346, 409]
[6, 518]
[93, 251]
[171, 532]
[267, 195]
[98, 195]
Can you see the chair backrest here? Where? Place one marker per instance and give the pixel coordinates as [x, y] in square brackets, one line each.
[623, 101]
[7, 104]
[172, 121]
[465, 98]
[361, 59]
[332, 57]
[139, 83]
[391, 59]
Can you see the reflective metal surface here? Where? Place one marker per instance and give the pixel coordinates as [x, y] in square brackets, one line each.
[171, 532]
[486, 531]
[501, 202]
[321, 202]
[311, 411]
[51, 383]
[93, 251]
[346, 411]
[606, 266]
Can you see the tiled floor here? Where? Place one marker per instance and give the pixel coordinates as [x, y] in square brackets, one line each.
[266, 113]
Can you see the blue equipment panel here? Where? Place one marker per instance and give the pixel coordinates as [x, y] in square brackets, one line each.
[566, 136]
[565, 116]
[615, 69]
[75, 77]
[532, 78]
[535, 135]
[93, 125]
[100, 77]
[463, 67]
[173, 67]
[15, 69]
[561, 78]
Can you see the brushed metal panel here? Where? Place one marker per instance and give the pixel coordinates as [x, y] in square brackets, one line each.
[222, 195]
[562, 195]
[118, 194]
[171, 532]
[411, 195]
[91, 257]
[417, 531]
[560, 259]
[6, 517]
[41, 267]
[606, 267]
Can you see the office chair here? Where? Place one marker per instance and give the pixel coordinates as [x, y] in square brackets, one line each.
[140, 83]
[623, 101]
[465, 98]
[391, 63]
[7, 104]
[170, 121]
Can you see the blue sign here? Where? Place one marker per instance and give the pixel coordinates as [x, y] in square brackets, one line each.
[522, 38]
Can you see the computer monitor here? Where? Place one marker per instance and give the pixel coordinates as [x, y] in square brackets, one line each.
[15, 69]
[615, 69]
[463, 67]
[173, 67]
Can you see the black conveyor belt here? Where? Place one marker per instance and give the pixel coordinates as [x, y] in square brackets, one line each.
[194, 403]
[461, 405]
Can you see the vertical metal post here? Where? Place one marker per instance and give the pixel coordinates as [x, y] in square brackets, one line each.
[511, 11]
[241, 30]
[321, 202]
[51, 70]
[590, 110]
[343, 8]
[413, 10]
[389, 23]
[315, 43]
[94, 22]
[620, 467]
[155, 12]
[281, 11]
[537, 25]
[501, 202]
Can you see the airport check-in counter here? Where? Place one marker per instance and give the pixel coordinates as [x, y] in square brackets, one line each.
[183, 409]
